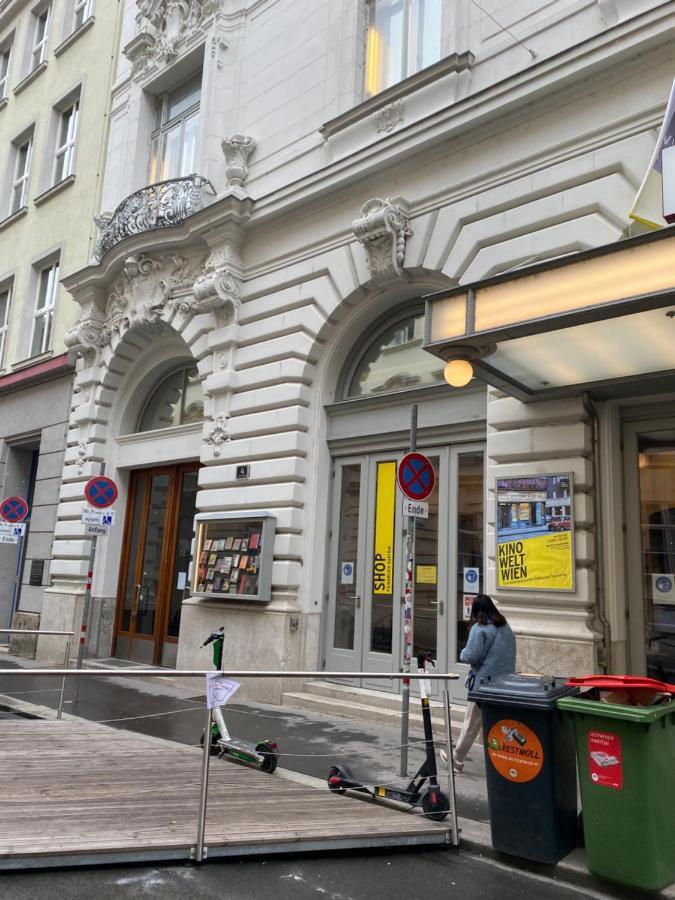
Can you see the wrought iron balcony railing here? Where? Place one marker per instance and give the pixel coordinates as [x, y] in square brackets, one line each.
[162, 205]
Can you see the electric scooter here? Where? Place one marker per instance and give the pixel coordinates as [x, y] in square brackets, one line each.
[264, 755]
[433, 801]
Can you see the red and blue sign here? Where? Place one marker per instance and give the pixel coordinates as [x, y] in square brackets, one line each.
[416, 476]
[100, 492]
[13, 509]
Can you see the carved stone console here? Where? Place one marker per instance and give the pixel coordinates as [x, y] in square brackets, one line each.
[383, 228]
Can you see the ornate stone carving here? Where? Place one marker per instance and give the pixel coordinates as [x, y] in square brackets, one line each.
[162, 205]
[218, 435]
[138, 297]
[237, 150]
[165, 26]
[218, 286]
[82, 456]
[383, 228]
[389, 116]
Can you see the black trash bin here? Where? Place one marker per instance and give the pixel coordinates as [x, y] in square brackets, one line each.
[530, 765]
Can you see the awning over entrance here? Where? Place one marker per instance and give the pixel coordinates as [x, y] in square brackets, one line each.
[603, 320]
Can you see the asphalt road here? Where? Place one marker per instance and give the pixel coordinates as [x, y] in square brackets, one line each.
[382, 876]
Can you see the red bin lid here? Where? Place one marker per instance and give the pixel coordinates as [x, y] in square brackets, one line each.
[617, 682]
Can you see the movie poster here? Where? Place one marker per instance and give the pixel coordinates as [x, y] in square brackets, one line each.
[535, 533]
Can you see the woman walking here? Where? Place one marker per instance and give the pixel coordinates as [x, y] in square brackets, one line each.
[490, 650]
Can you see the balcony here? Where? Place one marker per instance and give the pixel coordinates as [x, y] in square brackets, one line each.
[162, 205]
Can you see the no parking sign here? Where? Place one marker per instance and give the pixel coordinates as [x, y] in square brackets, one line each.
[100, 492]
[13, 509]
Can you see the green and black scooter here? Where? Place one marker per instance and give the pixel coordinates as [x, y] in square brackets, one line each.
[433, 801]
[264, 755]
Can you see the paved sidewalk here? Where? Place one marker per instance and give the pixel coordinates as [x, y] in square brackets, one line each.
[309, 742]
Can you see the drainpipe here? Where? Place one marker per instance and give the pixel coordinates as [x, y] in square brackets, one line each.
[604, 648]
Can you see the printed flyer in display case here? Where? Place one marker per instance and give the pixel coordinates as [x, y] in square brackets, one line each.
[233, 556]
[535, 533]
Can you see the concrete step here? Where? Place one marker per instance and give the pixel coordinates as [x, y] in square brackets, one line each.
[373, 711]
[378, 699]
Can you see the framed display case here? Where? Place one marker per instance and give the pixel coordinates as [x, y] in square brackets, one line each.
[233, 556]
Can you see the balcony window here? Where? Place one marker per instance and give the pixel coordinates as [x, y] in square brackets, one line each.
[404, 36]
[174, 141]
[81, 12]
[40, 29]
[5, 300]
[65, 146]
[21, 171]
[43, 316]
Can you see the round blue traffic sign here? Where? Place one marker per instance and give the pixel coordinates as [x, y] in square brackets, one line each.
[100, 492]
[416, 476]
[14, 509]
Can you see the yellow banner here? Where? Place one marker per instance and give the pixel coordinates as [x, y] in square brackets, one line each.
[383, 551]
[543, 562]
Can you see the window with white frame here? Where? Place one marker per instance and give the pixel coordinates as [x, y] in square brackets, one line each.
[404, 37]
[5, 300]
[40, 30]
[174, 140]
[4, 71]
[47, 287]
[64, 156]
[22, 158]
[81, 12]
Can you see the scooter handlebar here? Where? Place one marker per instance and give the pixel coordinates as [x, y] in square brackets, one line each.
[426, 657]
[214, 636]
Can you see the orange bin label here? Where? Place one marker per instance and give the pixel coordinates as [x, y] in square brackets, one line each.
[515, 750]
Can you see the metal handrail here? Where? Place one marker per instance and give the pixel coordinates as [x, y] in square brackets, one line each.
[68, 634]
[198, 852]
[232, 673]
[32, 631]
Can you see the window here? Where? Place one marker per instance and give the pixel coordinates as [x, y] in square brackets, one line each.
[43, 316]
[81, 13]
[4, 72]
[177, 400]
[40, 28]
[174, 140]
[65, 143]
[395, 361]
[5, 300]
[404, 36]
[21, 171]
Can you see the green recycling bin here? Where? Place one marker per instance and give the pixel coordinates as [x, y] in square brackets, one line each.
[626, 760]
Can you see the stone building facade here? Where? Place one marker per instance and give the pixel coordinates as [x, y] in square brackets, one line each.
[56, 62]
[280, 194]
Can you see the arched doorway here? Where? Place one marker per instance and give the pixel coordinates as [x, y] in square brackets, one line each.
[368, 433]
[159, 524]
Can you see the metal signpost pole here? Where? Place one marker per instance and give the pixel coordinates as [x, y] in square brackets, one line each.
[86, 602]
[110, 487]
[408, 603]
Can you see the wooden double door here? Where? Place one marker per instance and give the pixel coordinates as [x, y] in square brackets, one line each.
[155, 560]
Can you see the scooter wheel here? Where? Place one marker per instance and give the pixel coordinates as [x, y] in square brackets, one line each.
[435, 805]
[271, 757]
[214, 749]
[336, 778]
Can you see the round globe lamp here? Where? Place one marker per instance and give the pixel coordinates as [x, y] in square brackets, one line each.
[458, 372]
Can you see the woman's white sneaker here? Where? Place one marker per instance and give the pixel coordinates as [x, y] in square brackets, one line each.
[457, 766]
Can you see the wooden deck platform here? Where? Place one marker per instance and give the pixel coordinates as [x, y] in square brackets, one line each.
[78, 793]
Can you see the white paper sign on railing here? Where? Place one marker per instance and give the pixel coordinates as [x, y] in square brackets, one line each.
[219, 690]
